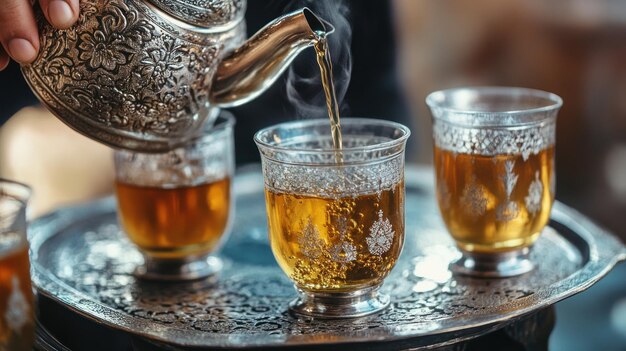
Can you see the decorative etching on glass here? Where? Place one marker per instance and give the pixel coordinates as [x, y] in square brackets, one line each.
[474, 198]
[533, 200]
[334, 182]
[381, 236]
[509, 178]
[491, 142]
[311, 244]
[509, 209]
[343, 251]
[18, 309]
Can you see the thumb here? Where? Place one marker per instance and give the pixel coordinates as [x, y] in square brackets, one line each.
[60, 13]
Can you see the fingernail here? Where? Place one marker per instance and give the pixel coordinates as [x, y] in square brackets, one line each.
[4, 62]
[60, 14]
[22, 51]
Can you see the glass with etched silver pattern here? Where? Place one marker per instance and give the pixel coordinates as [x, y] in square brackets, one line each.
[336, 216]
[494, 166]
[17, 310]
[176, 207]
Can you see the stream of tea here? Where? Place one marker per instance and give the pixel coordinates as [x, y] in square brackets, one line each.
[326, 72]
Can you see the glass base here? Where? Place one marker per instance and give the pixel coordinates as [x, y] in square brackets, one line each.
[184, 269]
[358, 303]
[493, 265]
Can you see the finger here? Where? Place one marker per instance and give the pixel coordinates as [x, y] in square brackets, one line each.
[18, 31]
[4, 59]
[60, 13]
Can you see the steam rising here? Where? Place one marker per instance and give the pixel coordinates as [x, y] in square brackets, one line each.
[304, 85]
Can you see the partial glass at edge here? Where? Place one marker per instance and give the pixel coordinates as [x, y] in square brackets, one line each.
[176, 207]
[494, 165]
[17, 314]
[336, 224]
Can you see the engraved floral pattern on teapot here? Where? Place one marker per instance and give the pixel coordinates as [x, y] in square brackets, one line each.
[145, 74]
[124, 69]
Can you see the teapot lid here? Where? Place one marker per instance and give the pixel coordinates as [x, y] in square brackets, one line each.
[215, 15]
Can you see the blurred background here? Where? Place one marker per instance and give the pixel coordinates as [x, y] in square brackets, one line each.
[388, 55]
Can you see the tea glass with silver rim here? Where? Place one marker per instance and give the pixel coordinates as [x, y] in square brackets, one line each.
[17, 302]
[494, 166]
[176, 207]
[335, 216]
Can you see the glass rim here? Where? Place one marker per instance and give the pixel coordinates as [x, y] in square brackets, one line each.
[223, 121]
[435, 100]
[20, 191]
[406, 132]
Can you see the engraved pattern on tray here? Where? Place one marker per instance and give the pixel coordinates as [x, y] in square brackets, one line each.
[81, 259]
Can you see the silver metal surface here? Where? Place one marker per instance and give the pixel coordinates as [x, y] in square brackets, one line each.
[352, 304]
[44, 341]
[126, 76]
[252, 68]
[131, 76]
[81, 260]
[190, 268]
[213, 14]
[493, 265]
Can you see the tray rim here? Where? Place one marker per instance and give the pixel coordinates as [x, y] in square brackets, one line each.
[604, 254]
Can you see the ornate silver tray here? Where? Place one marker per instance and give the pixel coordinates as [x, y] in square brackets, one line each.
[80, 259]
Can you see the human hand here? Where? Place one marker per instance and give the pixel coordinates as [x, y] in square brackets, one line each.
[18, 30]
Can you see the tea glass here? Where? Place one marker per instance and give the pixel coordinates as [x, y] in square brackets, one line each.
[176, 207]
[494, 166]
[335, 216]
[17, 312]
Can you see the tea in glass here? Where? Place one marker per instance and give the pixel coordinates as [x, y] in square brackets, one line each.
[17, 312]
[494, 203]
[336, 243]
[175, 222]
[494, 166]
[176, 206]
[335, 216]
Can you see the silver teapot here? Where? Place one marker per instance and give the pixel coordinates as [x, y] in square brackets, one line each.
[144, 75]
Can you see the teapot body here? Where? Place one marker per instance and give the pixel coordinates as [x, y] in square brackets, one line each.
[130, 75]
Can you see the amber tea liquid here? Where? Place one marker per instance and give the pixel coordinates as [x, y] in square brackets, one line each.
[326, 72]
[494, 203]
[336, 244]
[174, 222]
[17, 316]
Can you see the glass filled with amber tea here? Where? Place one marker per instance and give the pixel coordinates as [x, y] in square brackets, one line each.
[17, 312]
[494, 166]
[335, 214]
[176, 207]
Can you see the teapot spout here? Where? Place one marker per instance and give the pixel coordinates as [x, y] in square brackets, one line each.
[252, 68]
